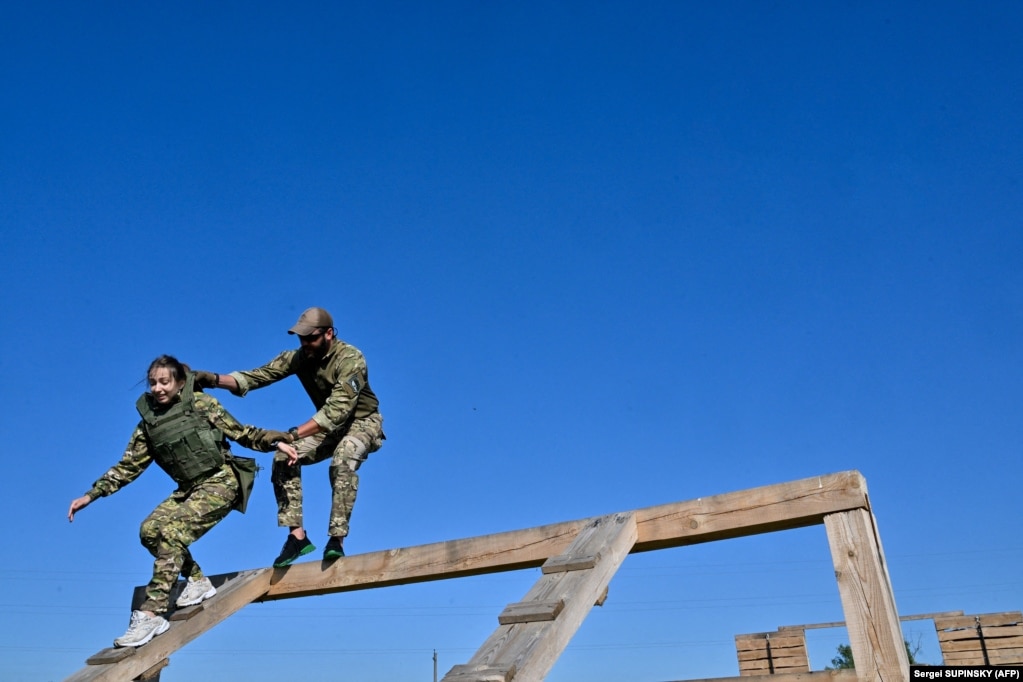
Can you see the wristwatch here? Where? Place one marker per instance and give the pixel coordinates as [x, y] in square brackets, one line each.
[294, 432]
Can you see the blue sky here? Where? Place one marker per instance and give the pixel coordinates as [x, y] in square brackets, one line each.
[599, 256]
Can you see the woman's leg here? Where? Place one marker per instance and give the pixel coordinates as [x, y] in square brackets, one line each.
[176, 523]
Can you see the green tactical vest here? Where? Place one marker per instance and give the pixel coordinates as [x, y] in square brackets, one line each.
[183, 442]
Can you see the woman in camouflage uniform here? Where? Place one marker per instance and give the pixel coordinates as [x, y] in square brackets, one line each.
[185, 432]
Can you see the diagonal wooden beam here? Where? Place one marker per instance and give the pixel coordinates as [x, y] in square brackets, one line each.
[535, 631]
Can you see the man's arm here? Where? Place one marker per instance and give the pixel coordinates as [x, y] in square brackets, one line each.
[240, 383]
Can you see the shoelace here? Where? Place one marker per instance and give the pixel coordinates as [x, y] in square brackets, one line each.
[136, 623]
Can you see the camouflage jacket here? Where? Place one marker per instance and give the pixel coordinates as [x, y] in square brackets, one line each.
[338, 384]
[137, 457]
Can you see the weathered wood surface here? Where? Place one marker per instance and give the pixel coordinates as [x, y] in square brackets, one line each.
[531, 645]
[748, 512]
[231, 596]
[841, 623]
[983, 619]
[982, 639]
[772, 653]
[867, 599]
[846, 675]
[747, 643]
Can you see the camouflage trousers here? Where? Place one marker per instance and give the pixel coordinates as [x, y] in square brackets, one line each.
[347, 451]
[176, 523]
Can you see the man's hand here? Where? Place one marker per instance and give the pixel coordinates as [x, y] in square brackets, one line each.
[77, 504]
[268, 440]
[206, 379]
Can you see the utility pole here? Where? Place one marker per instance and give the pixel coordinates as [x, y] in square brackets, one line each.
[434, 665]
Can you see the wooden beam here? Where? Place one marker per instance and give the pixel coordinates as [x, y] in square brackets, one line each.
[841, 623]
[748, 512]
[230, 597]
[865, 588]
[531, 647]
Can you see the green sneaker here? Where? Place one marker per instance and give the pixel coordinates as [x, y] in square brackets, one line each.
[333, 550]
[293, 549]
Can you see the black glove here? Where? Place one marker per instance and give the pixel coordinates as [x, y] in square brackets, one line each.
[268, 440]
[206, 379]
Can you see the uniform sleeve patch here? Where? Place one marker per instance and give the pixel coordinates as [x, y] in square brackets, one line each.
[354, 382]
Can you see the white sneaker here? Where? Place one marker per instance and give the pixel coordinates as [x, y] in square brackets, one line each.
[142, 629]
[196, 591]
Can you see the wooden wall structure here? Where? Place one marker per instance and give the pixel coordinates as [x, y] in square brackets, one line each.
[577, 561]
[982, 639]
[772, 653]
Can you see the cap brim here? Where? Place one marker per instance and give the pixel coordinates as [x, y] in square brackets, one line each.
[302, 330]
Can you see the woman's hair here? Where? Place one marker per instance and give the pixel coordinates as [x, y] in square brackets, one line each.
[177, 369]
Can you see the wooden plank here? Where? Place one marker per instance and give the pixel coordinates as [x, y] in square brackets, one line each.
[1003, 642]
[996, 657]
[533, 648]
[557, 564]
[1006, 657]
[841, 623]
[985, 620]
[974, 644]
[867, 599]
[230, 597]
[531, 612]
[110, 655]
[480, 673]
[748, 512]
[775, 655]
[760, 644]
[990, 634]
[776, 663]
[1003, 632]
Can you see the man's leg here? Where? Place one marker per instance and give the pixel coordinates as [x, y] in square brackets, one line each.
[364, 437]
[287, 483]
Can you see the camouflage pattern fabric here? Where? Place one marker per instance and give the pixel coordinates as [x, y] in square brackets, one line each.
[176, 523]
[137, 456]
[338, 384]
[190, 511]
[347, 451]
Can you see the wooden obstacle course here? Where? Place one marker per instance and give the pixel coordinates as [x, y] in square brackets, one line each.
[594, 547]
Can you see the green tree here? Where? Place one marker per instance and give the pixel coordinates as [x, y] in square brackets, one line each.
[844, 659]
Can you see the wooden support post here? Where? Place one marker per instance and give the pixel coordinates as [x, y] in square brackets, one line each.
[867, 599]
[535, 631]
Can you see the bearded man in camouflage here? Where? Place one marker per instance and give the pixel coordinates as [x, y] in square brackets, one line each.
[346, 428]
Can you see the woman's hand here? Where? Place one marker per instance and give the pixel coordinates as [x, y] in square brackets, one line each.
[288, 450]
[77, 504]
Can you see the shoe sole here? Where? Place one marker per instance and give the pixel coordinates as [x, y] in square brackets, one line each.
[302, 552]
[209, 593]
[157, 631]
[330, 554]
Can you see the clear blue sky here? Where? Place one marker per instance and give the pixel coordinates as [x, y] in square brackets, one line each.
[599, 256]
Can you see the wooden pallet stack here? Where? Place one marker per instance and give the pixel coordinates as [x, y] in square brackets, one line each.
[984, 639]
[772, 653]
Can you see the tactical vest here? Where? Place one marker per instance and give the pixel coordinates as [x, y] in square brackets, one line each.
[181, 440]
